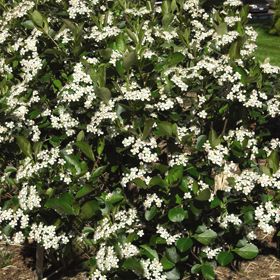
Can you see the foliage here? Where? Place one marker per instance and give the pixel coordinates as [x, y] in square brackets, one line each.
[141, 137]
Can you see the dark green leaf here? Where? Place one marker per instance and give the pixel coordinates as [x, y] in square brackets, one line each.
[184, 244]
[89, 209]
[166, 263]
[206, 237]
[86, 149]
[84, 191]
[173, 274]
[134, 265]
[149, 252]
[63, 204]
[129, 60]
[225, 258]
[208, 271]
[150, 213]
[172, 254]
[200, 141]
[98, 171]
[203, 195]
[103, 93]
[248, 252]
[176, 214]
[24, 145]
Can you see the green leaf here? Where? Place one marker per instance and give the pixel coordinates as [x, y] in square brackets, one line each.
[203, 195]
[24, 145]
[147, 128]
[80, 167]
[80, 136]
[225, 258]
[207, 271]
[166, 263]
[248, 252]
[184, 244]
[273, 161]
[40, 21]
[173, 274]
[115, 198]
[134, 265]
[129, 60]
[174, 58]
[221, 29]
[200, 141]
[174, 175]
[103, 93]
[86, 149]
[213, 138]
[176, 214]
[206, 237]
[165, 128]
[84, 191]
[100, 146]
[37, 18]
[98, 171]
[37, 147]
[89, 209]
[149, 252]
[151, 213]
[265, 170]
[172, 254]
[57, 84]
[63, 204]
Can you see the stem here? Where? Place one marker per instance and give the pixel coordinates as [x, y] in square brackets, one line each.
[39, 262]
[225, 126]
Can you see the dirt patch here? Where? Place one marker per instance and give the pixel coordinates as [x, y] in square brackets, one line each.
[17, 263]
[262, 268]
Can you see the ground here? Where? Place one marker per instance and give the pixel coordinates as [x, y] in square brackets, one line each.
[17, 263]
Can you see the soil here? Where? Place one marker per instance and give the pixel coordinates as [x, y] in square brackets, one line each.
[265, 267]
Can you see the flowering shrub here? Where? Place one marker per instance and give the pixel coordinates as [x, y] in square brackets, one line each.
[143, 135]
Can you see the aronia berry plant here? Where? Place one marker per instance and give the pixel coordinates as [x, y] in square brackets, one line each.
[140, 137]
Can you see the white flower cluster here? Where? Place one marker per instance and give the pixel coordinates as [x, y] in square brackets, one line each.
[123, 221]
[97, 275]
[45, 159]
[227, 219]
[47, 236]
[80, 7]
[180, 159]
[128, 250]
[134, 92]
[211, 253]
[106, 258]
[153, 270]
[267, 215]
[99, 35]
[82, 86]
[152, 199]
[29, 198]
[135, 173]
[105, 112]
[216, 155]
[270, 69]
[163, 233]
[246, 181]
